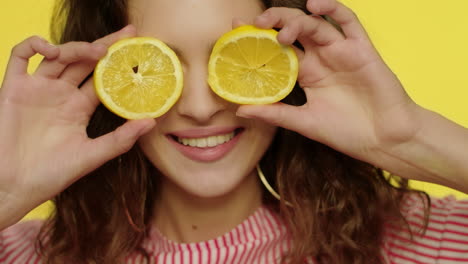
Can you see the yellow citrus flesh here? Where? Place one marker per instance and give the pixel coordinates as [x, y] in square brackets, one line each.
[249, 66]
[139, 78]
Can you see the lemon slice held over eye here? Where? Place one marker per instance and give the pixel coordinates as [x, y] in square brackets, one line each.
[139, 78]
[249, 66]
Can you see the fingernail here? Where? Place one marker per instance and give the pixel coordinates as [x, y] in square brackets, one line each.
[244, 115]
[264, 15]
[128, 28]
[284, 37]
[125, 28]
[150, 125]
[100, 49]
[43, 40]
[284, 31]
[261, 18]
[50, 45]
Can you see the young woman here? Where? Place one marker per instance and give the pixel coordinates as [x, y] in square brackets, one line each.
[125, 192]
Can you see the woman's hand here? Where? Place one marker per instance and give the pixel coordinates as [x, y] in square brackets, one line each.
[355, 104]
[44, 146]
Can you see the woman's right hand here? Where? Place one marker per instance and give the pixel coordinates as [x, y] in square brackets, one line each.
[44, 146]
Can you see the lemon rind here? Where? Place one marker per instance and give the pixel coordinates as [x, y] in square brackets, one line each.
[246, 31]
[107, 101]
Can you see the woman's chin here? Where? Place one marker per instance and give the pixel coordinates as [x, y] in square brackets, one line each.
[211, 185]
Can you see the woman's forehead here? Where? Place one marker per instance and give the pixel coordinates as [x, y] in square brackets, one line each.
[172, 19]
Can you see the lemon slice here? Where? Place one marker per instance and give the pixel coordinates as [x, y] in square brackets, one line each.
[249, 66]
[139, 78]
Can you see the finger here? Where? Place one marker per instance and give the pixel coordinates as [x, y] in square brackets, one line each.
[21, 53]
[297, 25]
[276, 17]
[300, 53]
[77, 72]
[342, 14]
[309, 28]
[126, 32]
[104, 148]
[89, 91]
[70, 52]
[278, 114]
[237, 22]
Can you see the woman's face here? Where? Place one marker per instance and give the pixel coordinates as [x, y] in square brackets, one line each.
[200, 145]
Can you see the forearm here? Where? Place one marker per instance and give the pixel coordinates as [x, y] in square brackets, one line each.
[438, 153]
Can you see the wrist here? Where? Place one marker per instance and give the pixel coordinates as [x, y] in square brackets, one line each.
[11, 210]
[434, 151]
[400, 127]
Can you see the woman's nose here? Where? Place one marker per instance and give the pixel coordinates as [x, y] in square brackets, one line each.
[198, 102]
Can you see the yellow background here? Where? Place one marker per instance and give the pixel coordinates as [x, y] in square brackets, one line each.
[425, 42]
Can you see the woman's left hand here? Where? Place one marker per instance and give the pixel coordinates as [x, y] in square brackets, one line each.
[355, 103]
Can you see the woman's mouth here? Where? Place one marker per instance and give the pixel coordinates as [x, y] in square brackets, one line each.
[206, 148]
[204, 142]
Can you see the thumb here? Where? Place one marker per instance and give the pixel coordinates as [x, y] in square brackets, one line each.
[279, 114]
[109, 146]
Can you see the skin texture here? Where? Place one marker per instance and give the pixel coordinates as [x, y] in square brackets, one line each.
[356, 105]
[199, 107]
[352, 96]
[53, 122]
[228, 184]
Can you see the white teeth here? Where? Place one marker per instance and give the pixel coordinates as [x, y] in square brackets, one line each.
[201, 143]
[212, 141]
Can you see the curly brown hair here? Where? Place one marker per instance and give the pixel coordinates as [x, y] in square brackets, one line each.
[340, 205]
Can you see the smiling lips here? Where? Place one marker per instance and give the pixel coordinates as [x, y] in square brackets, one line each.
[204, 142]
[207, 145]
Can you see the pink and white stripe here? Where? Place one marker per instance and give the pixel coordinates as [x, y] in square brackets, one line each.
[444, 242]
[263, 239]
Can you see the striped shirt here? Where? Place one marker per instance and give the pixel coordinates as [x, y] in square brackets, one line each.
[263, 238]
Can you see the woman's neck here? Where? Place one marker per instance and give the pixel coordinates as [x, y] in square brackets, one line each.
[185, 218]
